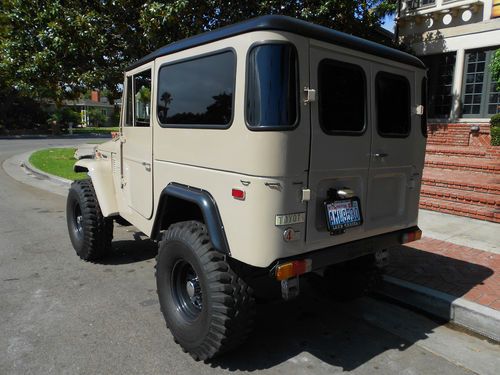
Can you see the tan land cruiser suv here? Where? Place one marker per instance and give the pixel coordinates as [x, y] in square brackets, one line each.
[254, 154]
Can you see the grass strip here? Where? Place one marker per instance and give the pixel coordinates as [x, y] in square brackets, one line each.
[57, 161]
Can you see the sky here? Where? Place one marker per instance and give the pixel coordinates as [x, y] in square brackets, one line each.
[388, 22]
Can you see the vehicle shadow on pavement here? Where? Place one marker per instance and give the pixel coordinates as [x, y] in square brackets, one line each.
[312, 326]
[341, 334]
[130, 251]
[441, 272]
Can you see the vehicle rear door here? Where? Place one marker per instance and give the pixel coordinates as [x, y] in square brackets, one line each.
[396, 149]
[137, 151]
[340, 138]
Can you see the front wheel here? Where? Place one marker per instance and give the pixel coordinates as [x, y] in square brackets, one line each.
[90, 232]
[208, 308]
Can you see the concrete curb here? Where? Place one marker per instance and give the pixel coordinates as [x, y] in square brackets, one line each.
[46, 176]
[475, 317]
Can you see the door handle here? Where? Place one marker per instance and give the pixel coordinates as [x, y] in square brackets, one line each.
[380, 155]
[146, 165]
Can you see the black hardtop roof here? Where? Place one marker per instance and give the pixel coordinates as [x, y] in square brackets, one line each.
[288, 24]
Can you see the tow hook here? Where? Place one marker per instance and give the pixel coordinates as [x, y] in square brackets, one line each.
[290, 288]
[288, 273]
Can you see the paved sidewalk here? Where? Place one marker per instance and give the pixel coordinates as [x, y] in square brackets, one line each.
[460, 271]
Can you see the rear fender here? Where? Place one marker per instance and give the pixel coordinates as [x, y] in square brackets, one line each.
[99, 170]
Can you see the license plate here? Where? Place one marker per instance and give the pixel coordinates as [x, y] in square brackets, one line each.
[342, 214]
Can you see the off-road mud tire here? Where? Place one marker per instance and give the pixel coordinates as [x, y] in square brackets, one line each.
[226, 315]
[92, 233]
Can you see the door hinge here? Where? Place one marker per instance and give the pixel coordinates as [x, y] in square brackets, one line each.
[309, 95]
[306, 195]
[419, 110]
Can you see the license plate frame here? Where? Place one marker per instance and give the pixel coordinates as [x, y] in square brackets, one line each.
[336, 223]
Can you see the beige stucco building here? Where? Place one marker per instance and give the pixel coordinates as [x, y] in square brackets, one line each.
[456, 39]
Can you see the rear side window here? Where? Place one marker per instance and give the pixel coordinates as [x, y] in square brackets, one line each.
[341, 97]
[393, 105]
[272, 87]
[197, 92]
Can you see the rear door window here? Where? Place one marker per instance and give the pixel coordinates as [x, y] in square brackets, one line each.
[392, 94]
[342, 98]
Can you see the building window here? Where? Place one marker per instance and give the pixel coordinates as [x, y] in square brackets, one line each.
[393, 104]
[480, 96]
[342, 92]
[441, 69]
[197, 92]
[423, 3]
[272, 87]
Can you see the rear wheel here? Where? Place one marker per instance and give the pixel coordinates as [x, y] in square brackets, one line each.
[90, 232]
[208, 308]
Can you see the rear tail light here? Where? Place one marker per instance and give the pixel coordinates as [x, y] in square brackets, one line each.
[291, 269]
[411, 236]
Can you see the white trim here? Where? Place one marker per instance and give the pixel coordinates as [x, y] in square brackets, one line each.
[458, 120]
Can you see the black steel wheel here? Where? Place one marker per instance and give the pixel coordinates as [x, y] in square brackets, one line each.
[89, 231]
[186, 290]
[208, 308]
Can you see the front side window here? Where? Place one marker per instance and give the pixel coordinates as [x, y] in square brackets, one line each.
[272, 87]
[393, 105]
[142, 98]
[341, 97]
[128, 104]
[197, 92]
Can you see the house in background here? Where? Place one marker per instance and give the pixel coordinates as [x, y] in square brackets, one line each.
[96, 102]
[456, 39]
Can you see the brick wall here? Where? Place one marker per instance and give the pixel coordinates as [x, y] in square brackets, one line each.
[459, 134]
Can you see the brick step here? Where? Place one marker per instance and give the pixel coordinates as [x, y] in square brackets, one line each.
[447, 142]
[457, 151]
[470, 163]
[461, 209]
[463, 180]
[454, 195]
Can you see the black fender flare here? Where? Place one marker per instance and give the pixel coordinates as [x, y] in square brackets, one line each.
[206, 203]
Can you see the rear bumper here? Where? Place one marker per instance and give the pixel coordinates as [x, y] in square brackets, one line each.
[351, 250]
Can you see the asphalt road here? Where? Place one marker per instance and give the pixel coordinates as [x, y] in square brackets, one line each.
[60, 315]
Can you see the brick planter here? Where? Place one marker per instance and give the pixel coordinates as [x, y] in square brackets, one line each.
[462, 171]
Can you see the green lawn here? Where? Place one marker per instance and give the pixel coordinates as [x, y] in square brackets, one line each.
[57, 161]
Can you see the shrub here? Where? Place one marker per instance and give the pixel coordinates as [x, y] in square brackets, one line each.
[495, 120]
[495, 136]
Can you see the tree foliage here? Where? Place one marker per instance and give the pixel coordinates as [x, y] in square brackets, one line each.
[495, 68]
[61, 48]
